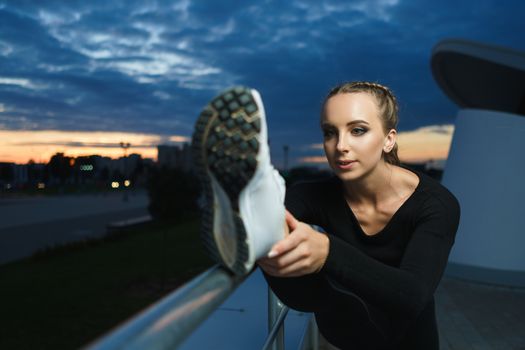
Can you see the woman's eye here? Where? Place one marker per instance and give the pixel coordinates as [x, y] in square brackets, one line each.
[358, 131]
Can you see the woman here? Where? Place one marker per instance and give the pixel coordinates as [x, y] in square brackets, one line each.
[370, 278]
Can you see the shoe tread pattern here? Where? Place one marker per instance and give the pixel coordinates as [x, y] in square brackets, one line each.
[225, 143]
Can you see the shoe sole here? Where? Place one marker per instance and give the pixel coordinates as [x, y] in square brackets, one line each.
[225, 145]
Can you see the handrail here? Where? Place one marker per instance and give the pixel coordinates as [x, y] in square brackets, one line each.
[167, 323]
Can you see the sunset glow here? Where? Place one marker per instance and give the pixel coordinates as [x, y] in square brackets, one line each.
[420, 145]
[20, 146]
[424, 144]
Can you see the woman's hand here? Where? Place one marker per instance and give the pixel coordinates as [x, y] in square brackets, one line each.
[301, 252]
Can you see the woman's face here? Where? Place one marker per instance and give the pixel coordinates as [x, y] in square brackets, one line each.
[354, 137]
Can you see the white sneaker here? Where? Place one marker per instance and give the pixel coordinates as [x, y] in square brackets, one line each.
[243, 214]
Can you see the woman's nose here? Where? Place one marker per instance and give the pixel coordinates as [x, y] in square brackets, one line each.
[342, 144]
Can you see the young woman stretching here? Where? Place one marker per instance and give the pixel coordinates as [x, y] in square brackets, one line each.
[370, 278]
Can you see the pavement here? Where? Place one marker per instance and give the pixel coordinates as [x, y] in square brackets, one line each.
[475, 316]
[35, 223]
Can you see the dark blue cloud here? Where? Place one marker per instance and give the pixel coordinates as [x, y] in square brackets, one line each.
[151, 66]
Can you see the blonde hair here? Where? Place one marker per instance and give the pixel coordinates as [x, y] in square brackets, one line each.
[386, 101]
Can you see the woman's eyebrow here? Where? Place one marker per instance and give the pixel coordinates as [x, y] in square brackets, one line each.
[358, 121]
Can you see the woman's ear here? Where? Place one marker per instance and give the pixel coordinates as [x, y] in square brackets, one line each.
[390, 140]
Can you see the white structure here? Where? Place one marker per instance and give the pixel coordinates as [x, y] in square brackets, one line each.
[486, 164]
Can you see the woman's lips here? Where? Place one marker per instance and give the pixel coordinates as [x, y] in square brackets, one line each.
[345, 164]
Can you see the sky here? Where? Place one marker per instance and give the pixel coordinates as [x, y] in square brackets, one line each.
[82, 76]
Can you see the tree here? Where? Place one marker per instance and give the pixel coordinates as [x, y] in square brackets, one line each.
[60, 167]
[173, 194]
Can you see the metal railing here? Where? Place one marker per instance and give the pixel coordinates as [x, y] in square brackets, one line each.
[277, 312]
[167, 323]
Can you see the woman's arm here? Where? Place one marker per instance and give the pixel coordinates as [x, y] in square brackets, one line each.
[405, 289]
[307, 292]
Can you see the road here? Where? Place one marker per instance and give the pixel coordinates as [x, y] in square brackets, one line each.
[30, 224]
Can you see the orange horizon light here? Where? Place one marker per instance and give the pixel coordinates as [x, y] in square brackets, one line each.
[22, 146]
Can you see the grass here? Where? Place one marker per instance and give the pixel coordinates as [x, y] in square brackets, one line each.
[65, 298]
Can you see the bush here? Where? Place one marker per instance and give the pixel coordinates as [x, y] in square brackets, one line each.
[173, 194]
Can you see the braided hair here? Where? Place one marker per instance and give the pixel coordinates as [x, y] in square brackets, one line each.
[387, 103]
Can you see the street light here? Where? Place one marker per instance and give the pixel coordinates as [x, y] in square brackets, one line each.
[125, 146]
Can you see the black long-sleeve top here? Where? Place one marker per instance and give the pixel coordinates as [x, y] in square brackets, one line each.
[374, 292]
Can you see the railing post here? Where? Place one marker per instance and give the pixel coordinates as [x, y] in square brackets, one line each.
[274, 308]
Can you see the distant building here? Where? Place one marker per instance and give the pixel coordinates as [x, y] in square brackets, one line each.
[175, 156]
[83, 170]
[13, 176]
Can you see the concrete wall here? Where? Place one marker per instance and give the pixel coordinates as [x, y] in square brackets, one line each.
[486, 171]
